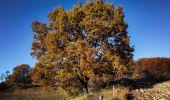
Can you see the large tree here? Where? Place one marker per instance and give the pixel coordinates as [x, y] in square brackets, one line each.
[83, 44]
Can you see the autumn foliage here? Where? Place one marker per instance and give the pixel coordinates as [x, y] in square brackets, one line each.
[78, 46]
[153, 67]
[21, 75]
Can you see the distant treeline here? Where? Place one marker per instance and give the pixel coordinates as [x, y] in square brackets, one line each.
[153, 67]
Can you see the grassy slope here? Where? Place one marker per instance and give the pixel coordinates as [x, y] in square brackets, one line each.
[160, 91]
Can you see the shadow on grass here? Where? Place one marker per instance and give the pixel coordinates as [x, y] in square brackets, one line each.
[138, 83]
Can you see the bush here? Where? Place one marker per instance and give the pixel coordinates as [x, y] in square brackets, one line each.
[3, 86]
[153, 67]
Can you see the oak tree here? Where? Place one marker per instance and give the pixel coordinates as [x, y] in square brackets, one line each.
[82, 44]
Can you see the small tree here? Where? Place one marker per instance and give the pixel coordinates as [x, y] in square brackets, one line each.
[2, 77]
[7, 73]
[21, 74]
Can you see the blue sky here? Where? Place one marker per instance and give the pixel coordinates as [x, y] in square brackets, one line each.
[149, 27]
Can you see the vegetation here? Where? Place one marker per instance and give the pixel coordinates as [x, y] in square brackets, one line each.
[3, 86]
[81, 50]
[80, 45]
[35, 97]
[153, 67]
[21, 75]
[119, 93]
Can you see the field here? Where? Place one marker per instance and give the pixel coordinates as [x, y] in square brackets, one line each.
[156, 91]
[34, 97]
[32, 94]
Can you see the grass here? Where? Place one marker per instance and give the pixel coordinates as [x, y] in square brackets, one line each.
[119, 93]
[34, 94]
[35, 97]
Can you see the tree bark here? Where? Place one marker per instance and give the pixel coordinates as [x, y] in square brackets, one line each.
[84, 83]
[86, 88]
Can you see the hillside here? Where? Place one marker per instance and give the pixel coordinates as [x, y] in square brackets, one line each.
[158, 91]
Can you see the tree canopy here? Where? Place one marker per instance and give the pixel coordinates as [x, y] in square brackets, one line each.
[21, 74]
[153, 68]
[78, 46]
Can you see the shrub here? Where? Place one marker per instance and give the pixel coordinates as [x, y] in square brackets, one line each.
[3, 86]
[153, 67]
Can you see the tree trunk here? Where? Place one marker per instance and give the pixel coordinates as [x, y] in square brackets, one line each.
[84, 83]
[86, 87]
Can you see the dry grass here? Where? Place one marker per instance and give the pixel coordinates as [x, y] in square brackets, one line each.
[119, 93]
[34, 94]
[90, 96]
